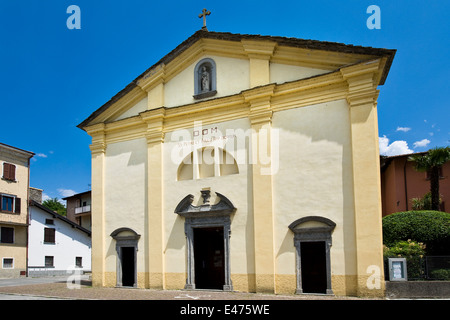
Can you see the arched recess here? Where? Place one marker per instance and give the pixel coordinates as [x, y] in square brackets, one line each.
[207, 162]
[307, 231]
[126, 247]
[205, 79]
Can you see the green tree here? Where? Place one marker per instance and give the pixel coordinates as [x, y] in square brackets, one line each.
[431, 162]
[55, 205]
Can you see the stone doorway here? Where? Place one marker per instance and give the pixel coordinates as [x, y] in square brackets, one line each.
[312, 241]
[126, 247]
[207, 228]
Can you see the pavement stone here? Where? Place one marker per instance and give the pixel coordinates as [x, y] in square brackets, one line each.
[57, 287]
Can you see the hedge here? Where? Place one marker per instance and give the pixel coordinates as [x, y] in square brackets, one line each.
[429, 227]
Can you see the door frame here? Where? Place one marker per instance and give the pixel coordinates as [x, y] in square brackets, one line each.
[218, 222]
[206, 216]
[125, 237]
[308, 229]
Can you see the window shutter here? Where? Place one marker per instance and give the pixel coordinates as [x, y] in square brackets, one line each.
[9, 171]
[49, 235]
[18, 205]
[6, 170]
[12, 172]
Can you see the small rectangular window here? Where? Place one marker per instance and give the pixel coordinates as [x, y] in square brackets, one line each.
[49, 235]
[49, 261]
[6, 235]
[49, 221]
[79, 262]
[8, 263]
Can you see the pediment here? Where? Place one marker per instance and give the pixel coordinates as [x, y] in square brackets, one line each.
[185, 208]
[290, 59]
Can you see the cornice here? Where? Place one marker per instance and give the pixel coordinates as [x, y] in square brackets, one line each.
[362, 85]
[259, 99]
[355, 83]
[257, 49]
[155, 125]
[123, 104]
[316, 54]
[153, 78]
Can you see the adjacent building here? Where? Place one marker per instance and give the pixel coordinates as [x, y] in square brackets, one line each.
[242, 162]
[14, 184]
[400, 183]
[79, 209]
[57, 246]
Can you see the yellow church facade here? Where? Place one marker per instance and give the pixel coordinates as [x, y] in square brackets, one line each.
[245, 163]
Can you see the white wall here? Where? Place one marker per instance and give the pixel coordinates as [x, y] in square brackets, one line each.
[69, 243]
[315, 157]
[125, 194]
[232, 77]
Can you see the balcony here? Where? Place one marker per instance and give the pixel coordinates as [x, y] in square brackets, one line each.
[84, 209]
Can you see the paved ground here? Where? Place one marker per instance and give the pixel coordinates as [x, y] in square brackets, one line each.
[58, 288]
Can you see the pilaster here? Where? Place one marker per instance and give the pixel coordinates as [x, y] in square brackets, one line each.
[155, 220]
[153, 84]
[260, 115]
[98, 149]
[362, 99]
[259, 53]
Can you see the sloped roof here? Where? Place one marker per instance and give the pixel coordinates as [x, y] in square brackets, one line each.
[281, 41]
[60, 217]
[29, 154]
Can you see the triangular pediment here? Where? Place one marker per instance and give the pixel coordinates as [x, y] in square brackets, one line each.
[290, 59]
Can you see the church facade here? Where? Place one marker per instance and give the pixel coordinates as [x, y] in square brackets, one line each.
[242, 162]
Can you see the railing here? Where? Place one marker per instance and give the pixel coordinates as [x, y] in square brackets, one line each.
[83, 209]
[426, 268]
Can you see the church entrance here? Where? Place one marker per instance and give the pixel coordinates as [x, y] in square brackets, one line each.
[208, 229]
[128, 266]
[313, 267]
[127, 248]
[209, 258]
[312, 241]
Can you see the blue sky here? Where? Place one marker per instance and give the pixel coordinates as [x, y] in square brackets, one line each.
[52, 78]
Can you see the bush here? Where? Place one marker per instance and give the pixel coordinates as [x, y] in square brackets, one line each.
[405, 249]
[429, 227]
[412, 251]
[440, 274]
[423, 203]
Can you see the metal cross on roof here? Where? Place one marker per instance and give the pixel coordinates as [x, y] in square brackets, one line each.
[204, 14]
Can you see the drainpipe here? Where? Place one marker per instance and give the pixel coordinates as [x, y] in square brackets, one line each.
[28, 218]
[406, 185]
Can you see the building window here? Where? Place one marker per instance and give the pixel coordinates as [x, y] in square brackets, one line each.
[9, 171]
[6, 235]
[49, 235]
[9, 203]
[49, 221]
[8, 263]
[205, 79]
[207, 162]
[49, 261]
[79, 262]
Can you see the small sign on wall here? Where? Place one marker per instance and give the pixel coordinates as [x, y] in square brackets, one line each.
[397, 269]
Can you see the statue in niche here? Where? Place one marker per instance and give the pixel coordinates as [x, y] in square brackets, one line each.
[204, 84]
